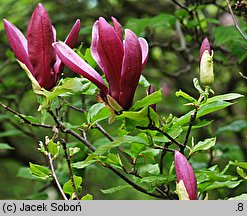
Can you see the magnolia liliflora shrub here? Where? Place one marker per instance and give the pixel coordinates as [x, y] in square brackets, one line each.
[144, 137]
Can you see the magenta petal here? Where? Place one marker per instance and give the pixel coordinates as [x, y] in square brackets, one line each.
[144, 47]
[110, 51]
[71, 42]
[41, 54]
[185, 172]
[18, 43]
[95, 44]
[204, 46]
[78, 65]
[118, 28]
[73, 34]
[131, 70]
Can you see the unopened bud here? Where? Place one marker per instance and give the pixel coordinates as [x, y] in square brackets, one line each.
[206, 64]
[185, 174]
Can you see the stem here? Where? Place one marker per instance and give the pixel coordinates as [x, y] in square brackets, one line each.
[55, 177]
[154, 128]
[235, 21]
[163, 153]
[69, 167]
[23, 118]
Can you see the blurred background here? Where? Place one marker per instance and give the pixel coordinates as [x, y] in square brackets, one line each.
[174, 31]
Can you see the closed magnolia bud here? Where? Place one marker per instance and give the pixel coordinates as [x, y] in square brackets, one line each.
[206, 64]
[185, 176]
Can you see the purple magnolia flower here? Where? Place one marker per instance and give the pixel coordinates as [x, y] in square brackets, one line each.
[185, 172]
[204, 46]
[36, 52]
[122, 61]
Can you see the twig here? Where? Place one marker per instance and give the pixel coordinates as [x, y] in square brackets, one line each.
[181, 5]
[23, 118]
[192, 119]
[154, 128]
[69, 167]
[235, 21]
[55, 177]
[163, 153]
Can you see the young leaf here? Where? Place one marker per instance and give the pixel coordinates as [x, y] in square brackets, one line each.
[54, 148]
[148, 100]
[68, 189]
[143, 81]
[180, 93]
[240, 197]
[97, 113]
[5, 146]
[40, 172]
[115, 189]
[87, 197]
[204, 145]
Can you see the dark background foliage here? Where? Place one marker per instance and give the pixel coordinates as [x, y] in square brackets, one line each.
[174, 32]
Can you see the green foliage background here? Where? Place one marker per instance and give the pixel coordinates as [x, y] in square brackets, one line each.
[174, 37]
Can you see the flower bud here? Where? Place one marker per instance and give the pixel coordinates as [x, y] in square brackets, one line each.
[185, 175]
[206, 64]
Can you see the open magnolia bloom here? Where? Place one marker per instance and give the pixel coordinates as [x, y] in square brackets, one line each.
[36, 53]
[185, 176]
[122, 62]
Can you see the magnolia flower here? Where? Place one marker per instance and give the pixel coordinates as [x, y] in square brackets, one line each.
[206, 64]
[185, 174]
[36, 52]
[122, 62]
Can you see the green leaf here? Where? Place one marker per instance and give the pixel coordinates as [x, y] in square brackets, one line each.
[224, 97]
[148, 100]
[92, 158]
[5, 146]
[24, 172]
[119, 141]
[204, 145]
[204, 110]
[10, 133]
[97, 113]
[174, 132]
[73, 151]
[90, 60]
[140, 117]
[115, 189]
[54, 148]
[240, 197]
[162, 20]
[180, 93]
[143, 81]
[87, 197]
[114, 160]
[40, 172]
[216, 185]
[224, 34]
[68, 189]
[146, 169]
[241, 173]
[38, 196]
[236, 126]
[29, 118]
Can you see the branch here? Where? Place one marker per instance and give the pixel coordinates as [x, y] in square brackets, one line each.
[55, 177]
[23, 118]
[69, 167]
[235, 21]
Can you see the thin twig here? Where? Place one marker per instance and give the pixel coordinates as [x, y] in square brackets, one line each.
[235, 21]
[23, 118]
[181, 5]
[55, 177]
[192, 119]
[154, 128]
[69, 167]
